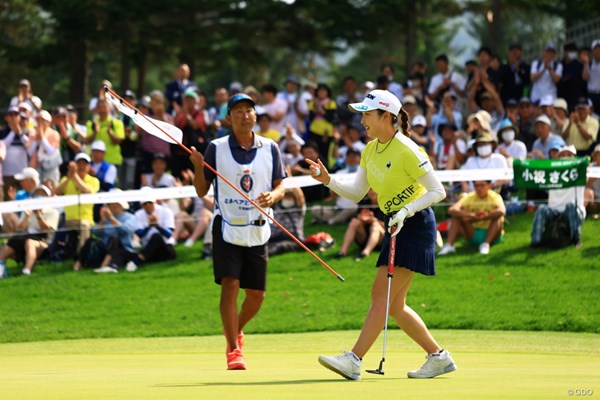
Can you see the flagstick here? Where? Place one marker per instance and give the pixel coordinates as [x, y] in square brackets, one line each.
[214, 171]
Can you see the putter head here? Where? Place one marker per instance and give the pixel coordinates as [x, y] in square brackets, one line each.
[375, 371]
[378, 371]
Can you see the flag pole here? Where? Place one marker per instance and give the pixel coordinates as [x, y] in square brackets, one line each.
[214, 171]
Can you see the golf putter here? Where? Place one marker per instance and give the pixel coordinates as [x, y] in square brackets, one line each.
[390, 275]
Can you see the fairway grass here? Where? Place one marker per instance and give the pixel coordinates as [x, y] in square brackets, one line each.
[491, 365]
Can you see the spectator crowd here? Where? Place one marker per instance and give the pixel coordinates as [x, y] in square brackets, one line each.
[485, 117]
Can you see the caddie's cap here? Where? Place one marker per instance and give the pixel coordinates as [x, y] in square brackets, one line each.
[235, 99]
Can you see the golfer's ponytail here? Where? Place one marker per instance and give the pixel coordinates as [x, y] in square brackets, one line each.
[404, 125]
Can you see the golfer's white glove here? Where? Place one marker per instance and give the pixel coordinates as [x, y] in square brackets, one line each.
[397, 221]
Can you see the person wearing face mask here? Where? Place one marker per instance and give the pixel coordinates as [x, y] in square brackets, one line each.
[344, 209]
[571, 85]
[509, 147]
[289, 212]
[485, 158]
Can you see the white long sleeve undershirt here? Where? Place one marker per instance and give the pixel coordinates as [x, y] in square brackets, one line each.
[357, 190]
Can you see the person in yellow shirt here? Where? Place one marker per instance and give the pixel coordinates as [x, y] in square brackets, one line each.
[264, 128]
[478, 217]
[322, 114]
[400, 172]
[108, 129]
[582, 129]
[79, 181]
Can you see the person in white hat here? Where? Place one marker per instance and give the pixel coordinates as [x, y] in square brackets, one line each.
[104, 171]
[79, 181]
[400, 172]
[114, 247]
[419, 131]
[154, 225]
[545, 138]
[34, 226]
[48, 144]
[560, 115]
[582, 128]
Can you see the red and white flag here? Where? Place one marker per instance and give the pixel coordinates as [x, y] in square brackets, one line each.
[161, 129]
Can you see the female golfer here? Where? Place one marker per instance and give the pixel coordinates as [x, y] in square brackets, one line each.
[401, 174]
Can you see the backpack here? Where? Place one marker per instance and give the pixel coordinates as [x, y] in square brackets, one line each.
[557, 232]
[92, 253]
[63, 246]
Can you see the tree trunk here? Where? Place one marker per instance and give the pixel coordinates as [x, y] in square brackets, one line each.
[142, 70]
[495, 25]
[411, 36]
[78, 61]
[125, 63]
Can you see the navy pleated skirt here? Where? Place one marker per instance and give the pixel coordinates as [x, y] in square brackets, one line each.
[415, 244]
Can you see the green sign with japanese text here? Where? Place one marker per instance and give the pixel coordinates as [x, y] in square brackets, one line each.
[550, 174]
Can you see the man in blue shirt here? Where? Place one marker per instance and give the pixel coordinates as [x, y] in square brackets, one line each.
[176, 88]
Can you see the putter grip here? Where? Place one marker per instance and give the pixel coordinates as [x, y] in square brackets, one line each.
[392, 256]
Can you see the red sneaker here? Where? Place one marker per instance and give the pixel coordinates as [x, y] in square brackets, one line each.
[235, 360]
[240, 343]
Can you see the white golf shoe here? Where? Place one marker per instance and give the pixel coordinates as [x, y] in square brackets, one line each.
[131, 267]
[346, 365]
[448, 248]
[436, 364]
[106, 269]
[484, 248]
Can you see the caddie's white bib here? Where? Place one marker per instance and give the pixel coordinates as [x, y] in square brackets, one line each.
[243, 224]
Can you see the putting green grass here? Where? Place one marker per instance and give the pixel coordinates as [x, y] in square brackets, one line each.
[491, 365]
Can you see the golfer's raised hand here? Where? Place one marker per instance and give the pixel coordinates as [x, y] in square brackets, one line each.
[318, 171]
[197, 159]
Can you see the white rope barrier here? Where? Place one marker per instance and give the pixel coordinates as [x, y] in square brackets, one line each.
[178, 192]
